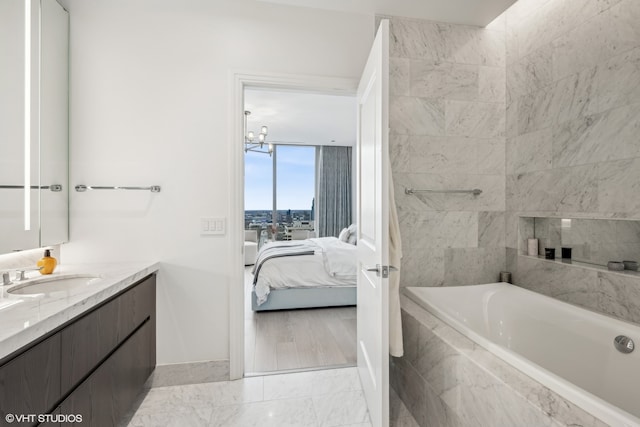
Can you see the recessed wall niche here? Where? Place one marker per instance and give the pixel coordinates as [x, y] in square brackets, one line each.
[592, 241]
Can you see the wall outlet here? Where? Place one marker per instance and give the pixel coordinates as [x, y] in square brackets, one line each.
[213, 226]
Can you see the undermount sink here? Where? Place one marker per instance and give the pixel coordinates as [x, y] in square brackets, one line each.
[55, 284]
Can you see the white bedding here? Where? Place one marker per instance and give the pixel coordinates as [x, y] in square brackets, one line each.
[332, 264]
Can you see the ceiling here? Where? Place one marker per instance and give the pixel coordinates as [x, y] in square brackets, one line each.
[469, 12]
[302, 118]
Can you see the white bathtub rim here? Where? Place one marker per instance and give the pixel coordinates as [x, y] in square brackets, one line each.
[590, 403]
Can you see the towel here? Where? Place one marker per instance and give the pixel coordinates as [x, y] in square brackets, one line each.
[395, 259]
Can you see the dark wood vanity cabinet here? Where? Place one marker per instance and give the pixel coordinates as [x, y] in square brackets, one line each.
[102, 360]
[30, 382]
[107, 394]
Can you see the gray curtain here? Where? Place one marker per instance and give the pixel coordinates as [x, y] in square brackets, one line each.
[334, 190]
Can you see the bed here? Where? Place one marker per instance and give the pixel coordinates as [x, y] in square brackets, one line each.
[318, 272]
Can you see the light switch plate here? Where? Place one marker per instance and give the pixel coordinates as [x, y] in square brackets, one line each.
[213, 226]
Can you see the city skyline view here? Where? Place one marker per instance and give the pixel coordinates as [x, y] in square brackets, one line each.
[295, 179]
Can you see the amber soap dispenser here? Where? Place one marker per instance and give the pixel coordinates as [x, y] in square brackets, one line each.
[48, 263]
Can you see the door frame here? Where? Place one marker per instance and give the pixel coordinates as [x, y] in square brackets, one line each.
[238, 81]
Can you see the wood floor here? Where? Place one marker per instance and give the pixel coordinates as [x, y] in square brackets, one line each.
[298, 339]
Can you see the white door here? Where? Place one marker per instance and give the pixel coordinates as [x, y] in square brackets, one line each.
[373, 229]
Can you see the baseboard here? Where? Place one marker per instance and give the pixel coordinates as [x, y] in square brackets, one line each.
[189, 373]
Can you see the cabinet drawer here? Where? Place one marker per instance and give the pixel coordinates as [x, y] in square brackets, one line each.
[107, 394]
[30, 383]
[88, 340]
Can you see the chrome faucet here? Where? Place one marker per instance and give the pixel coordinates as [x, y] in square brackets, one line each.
[6, 275]
[20, 272]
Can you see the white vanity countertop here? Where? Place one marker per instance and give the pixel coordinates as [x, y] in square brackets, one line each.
[25, 318]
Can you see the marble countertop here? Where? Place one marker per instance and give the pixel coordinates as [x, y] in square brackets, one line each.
[25, 318]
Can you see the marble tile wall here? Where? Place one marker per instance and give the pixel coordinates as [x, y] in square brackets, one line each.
[447, 131]
[572, 126]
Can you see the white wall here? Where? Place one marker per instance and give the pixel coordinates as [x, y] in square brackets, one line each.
[149, 100]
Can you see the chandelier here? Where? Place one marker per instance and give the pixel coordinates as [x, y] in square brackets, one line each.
[250, 144]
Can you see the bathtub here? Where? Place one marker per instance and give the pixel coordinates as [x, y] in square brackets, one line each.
[567, 349]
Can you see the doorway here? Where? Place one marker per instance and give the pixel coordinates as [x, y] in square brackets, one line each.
[292, 140]
[295, 332]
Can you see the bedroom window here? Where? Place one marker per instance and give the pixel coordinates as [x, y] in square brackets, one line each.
[279, 192]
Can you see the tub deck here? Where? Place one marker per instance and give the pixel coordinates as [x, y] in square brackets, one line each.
[567, 349]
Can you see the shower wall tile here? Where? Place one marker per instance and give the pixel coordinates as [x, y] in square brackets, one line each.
[491, 230]
[491, 156]
[548, 20]
[422, 267]
[447, 133]
[566, 99]
[400, 152]
[444, 80]
[491, 47]
[620, 296]
[521, 10]
[461, 43]
[574, 189]
[624, 32]
[464, 266]
[540, 27]
[619, 186]
[553, 279]
[532, 152]
[417, 39]
[416, 116]
[531, 73]
[442, 155]
[584, 47]
[569, 189]
[512, 230]
[425, 154]
[439, 229]
[618, 81]
[474, 119]
[511, 117]
[580, 141]
[399, 76]
[528, 192]
[572, 120]
[491, 84]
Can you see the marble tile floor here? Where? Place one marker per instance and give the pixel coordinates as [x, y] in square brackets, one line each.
[326, 398]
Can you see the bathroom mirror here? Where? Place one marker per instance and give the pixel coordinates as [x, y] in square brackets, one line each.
[33, 124]
[54, 123]
[593, 241]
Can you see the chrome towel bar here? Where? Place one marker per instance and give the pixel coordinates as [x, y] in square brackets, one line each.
[475, 191]
[82, 188]
[52, 187]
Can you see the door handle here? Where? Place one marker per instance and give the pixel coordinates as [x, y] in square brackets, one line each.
[383, 270]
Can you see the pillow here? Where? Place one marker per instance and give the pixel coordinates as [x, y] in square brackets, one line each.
[353, 239]
[353, 228]
[344, 235]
